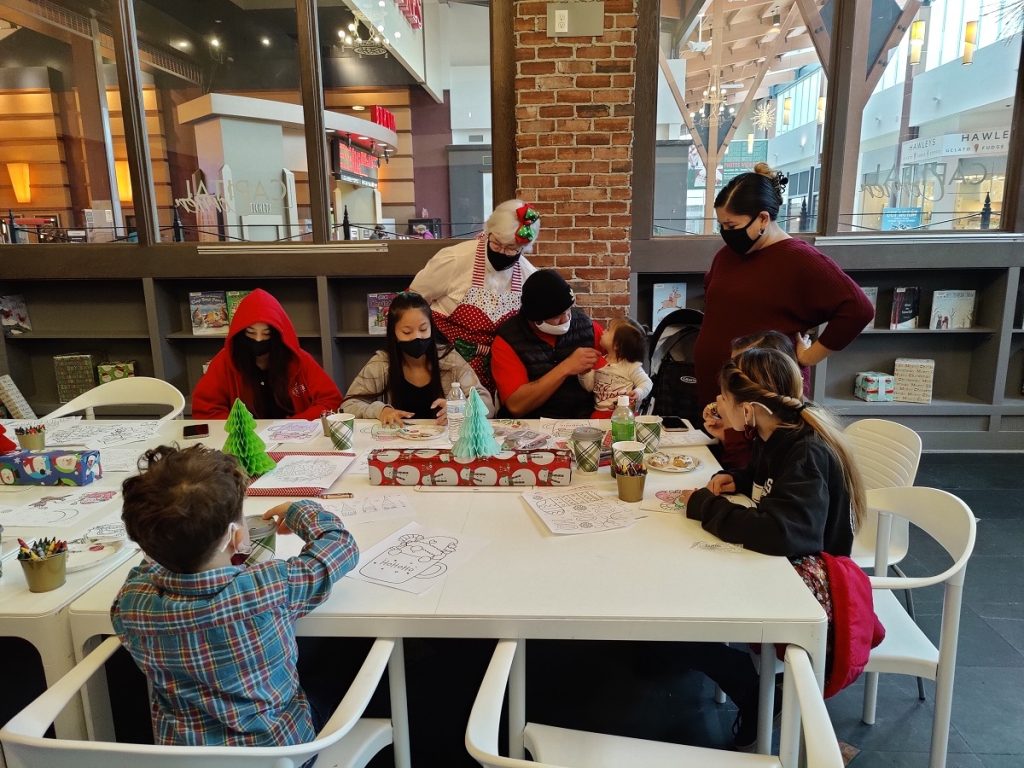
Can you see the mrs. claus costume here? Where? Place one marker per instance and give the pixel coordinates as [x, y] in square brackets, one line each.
[473, 287]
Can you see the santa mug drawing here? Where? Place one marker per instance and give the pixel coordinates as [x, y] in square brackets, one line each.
[414, 557]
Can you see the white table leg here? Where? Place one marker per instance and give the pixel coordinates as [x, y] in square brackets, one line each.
[399, 706]
[517, 703]
[51, 637]
[766, 698]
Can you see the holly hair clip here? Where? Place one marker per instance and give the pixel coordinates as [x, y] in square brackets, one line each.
[527, 216]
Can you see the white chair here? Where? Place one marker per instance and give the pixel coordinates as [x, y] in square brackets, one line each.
[906, 649]
[552, 746]
[346, 740]
[134, 390]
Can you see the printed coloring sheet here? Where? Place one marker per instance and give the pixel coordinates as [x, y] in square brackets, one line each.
[413, 558]
[292, 431]
[120, 459]
[100, 434]
[298, 471]
[60, 508]
[579, 510]
[366, 509]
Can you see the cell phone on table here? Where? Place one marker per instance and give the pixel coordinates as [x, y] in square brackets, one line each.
[674, 424]
[195, 431]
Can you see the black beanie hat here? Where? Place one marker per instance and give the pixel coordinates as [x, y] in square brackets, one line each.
[545, 295]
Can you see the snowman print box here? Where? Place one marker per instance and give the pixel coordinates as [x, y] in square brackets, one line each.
[408, 466]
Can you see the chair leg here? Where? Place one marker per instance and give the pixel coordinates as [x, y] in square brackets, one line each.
[870, 697]
[908, 596]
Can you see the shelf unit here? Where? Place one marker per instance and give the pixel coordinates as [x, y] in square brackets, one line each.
[134, 305]
[979, 372]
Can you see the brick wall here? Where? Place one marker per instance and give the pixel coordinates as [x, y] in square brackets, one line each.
[574, 144]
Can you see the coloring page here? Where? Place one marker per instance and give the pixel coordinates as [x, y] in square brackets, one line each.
[413, 558]
[59, 508]
[100, 434]
[292, 431]
[361, 465]
[304, 472]
[579, 510]
[564, 427]
[365, 509]
[120, 459]
[9, 424]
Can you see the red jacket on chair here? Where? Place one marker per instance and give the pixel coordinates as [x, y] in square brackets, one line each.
[312, 391]
[855, 628]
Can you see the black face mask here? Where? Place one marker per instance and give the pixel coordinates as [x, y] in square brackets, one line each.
[738, 239]
[415, 348]
[255, 348]
[500, 261]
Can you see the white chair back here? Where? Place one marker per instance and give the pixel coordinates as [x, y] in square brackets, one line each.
[887, 455]
[134, 390]
[345, 740]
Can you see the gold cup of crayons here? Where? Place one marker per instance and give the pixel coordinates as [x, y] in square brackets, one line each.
[45, 563]
[31, 438]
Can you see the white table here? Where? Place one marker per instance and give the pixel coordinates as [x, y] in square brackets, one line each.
[641, 583]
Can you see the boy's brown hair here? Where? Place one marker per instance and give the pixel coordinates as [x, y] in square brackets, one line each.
[629, 340]
[179, 506]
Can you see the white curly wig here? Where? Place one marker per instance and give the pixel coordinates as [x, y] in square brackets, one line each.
[504, 222]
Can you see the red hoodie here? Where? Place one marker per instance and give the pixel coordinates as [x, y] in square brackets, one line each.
[311, 389]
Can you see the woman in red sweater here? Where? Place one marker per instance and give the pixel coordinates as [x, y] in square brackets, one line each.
[263, 365]
[763, 279]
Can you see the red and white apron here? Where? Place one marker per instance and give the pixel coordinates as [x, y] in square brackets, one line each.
[472, 325]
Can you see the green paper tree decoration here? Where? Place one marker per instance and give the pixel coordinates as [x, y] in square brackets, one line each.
[476, 439]
[6, 444]
[244, 443]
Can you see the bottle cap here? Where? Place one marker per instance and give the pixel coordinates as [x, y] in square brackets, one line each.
[624, 400]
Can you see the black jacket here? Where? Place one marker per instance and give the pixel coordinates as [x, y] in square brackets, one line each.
[801, 507]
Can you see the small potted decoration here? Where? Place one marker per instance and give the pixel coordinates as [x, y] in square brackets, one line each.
[45, 562]
[32, 438]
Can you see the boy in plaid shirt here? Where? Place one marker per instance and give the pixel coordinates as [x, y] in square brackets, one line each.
[215, 640]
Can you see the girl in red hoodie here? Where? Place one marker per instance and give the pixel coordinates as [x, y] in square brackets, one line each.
[263, 365]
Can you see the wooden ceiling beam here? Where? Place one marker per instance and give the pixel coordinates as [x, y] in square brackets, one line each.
[820, 37]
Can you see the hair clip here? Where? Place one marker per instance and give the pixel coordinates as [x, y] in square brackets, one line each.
[526, 214]
[524, 234]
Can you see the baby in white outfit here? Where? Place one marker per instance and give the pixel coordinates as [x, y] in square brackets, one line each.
[622, 372]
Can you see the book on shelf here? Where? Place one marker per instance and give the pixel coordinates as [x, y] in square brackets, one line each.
[905, 307]
[14, 315]
[952, 309]
[233, 299]
[871, 291]
[377, 305]
[209, 312]
[667, 298]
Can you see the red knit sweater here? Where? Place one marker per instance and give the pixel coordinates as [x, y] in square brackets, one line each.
[790, 287]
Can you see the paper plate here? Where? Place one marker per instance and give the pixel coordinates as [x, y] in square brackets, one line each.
[82, 555]
[424, 432]
[664, 462]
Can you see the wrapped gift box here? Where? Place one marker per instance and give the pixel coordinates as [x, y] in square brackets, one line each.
[433, 466]
[874, 387]
[75, 374]
[56, 467]
[110, 371]
[914, 380]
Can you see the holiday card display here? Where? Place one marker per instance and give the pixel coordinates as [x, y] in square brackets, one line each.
[75, 374]
[54, 467]
[914, 380]
[244, 444]
[952, 309]
[377, 305]
[209, 313]
[110, 371]
[14, 315]
[874, 387]
[905, 304]
[412, 466]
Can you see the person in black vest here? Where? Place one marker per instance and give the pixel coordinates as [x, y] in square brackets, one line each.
[538, 354]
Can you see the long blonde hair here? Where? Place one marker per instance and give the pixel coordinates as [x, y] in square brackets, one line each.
[771, 378]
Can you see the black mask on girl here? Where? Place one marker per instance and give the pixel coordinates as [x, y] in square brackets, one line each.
[415, 348]
[738, 239]
[255, 348]
[500, 261]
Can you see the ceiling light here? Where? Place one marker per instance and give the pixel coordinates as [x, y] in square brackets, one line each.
[265, 41]
[916, 41]
[397, 35]
[970, 41]
[183, 45]
[341, 34]
[215, 42]
[348, 40]
[380, 27]
[358, 108]
[381, 3]
[352, 27]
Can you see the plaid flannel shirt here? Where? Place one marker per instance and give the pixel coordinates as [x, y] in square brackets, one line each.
[218, 647]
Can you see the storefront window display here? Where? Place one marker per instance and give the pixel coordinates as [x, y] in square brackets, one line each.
[751, 76]
[937, 127]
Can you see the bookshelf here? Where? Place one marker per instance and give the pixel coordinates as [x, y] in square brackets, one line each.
[977, 402]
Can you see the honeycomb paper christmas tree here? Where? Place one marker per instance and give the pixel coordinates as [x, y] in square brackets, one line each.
[6, 444]
[476, 439]
[244, 443]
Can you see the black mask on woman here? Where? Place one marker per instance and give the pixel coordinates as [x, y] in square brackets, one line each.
[415, 348]
[738, 239]
[500, 261]
[255, 348]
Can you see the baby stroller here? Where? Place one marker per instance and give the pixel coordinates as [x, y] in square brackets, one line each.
[672, 367]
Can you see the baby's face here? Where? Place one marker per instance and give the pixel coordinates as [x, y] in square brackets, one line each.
[606, 340]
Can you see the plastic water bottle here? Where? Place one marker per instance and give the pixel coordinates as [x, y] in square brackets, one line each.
[623, 423]
[456, 408]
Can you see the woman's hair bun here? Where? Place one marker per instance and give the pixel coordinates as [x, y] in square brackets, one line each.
[764, 169]
[778, 179]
